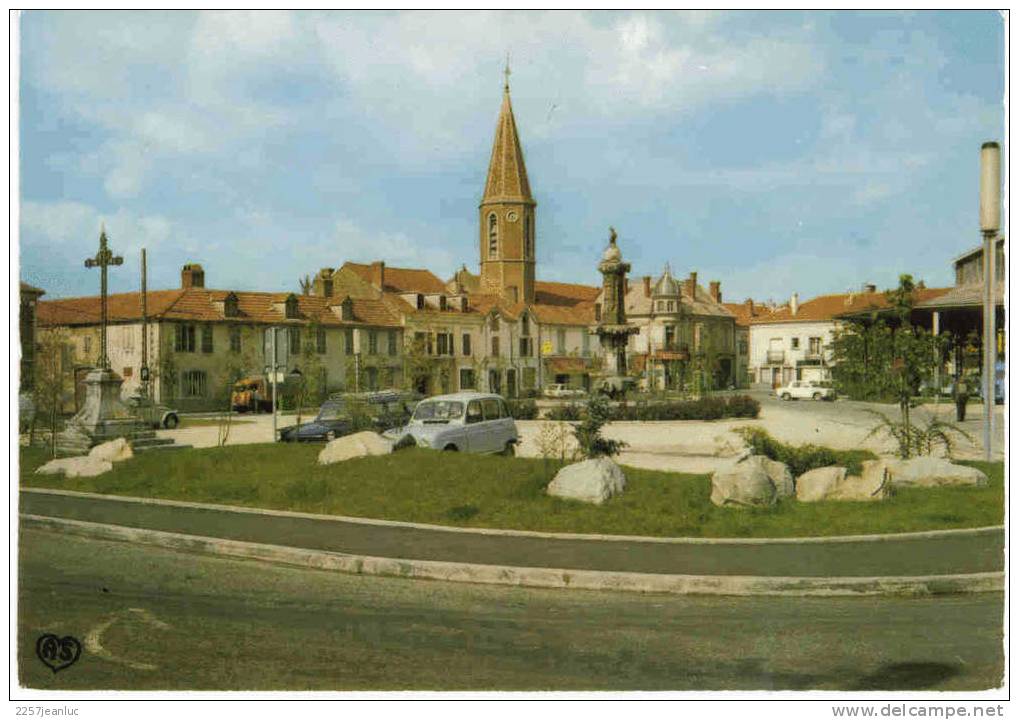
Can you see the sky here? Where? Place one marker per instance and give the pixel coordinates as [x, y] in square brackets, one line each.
[777, 152]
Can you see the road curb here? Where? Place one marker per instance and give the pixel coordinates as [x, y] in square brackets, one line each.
[529, 576]
[892, 537]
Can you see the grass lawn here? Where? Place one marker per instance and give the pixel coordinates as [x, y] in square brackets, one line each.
[499, 492]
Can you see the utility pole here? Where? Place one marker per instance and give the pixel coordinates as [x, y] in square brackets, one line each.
[274, 368]
[990, 223]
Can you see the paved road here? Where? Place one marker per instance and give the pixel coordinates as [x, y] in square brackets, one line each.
[157, 619]
[921, 556]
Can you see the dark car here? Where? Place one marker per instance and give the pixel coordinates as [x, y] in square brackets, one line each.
[343, 414]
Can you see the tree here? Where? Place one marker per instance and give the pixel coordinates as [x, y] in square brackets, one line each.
[588, 433]
[237, 367]
[52, 383]
[886, 357]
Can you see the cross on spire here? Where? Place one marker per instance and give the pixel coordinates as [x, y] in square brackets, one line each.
[506, 74]
[103, 259]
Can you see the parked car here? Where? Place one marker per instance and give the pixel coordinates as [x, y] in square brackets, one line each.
[797, 389]
[154, 414]
[251, 394]
[462, 422]
[558, 390]
[384, 410]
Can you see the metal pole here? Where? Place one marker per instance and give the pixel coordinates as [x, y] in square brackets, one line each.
[935, 331]
[990, 223]
[273, 366]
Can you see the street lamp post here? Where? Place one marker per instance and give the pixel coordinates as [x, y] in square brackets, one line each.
[990, 223]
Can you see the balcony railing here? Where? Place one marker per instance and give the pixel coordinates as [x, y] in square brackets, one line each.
[775, 357]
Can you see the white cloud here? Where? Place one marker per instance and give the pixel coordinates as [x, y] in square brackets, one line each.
[75, 226]
[358, 245]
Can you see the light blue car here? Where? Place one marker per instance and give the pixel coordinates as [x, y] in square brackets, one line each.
[462, 422]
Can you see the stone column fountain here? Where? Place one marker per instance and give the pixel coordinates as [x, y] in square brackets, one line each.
[613, 330]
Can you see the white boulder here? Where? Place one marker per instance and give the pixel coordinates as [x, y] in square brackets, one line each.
[591, 481]
[360, 444]
[927, 471]
[781, 477]
[833, 483]
[745, 483]
[115, 450]
[72, 467]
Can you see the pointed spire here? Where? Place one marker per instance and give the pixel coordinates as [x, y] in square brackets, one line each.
[507, 176]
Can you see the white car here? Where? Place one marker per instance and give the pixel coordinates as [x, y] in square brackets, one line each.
[463, 422]
[557, 390]
[801, 389]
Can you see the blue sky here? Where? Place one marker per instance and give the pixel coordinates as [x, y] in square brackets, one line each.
[777, 152]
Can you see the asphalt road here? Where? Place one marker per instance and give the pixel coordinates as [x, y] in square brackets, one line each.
[918, 556]
[157, 619]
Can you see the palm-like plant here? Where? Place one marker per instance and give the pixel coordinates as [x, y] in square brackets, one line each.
[914, 440]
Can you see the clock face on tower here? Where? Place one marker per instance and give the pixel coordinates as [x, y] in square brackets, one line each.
[512, 216]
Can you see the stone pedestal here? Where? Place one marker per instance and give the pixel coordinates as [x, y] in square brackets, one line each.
[102, 417]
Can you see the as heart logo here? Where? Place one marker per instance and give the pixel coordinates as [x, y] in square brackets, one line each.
[57, 653]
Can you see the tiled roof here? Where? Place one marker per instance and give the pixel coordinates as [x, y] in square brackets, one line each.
[31, 289]
[743, 313]
[971, 295]
[828, 307]
[202, 305]
[556, 293]
[581, 313]
[401, 280]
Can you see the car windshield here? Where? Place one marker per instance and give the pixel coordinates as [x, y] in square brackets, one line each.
[439, 411]
[332, 411]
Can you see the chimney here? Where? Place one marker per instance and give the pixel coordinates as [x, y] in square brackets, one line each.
[691, 285]
[749, 303]
[647, 285]
[716, 291]
[869, 288]
[794, 304]
[379, 274]
[323, 285]
[192, 276]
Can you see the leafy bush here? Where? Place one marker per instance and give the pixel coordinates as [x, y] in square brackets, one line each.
[802, 458]
[588, 432]
[523, 409]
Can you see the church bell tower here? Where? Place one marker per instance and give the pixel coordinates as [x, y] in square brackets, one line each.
[506, 215]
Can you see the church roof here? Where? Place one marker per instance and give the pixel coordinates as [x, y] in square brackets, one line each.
[401, 280]
[507, 176]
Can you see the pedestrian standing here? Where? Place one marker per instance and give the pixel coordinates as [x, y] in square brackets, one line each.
[961, 394]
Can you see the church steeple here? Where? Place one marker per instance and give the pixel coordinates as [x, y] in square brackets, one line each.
[507, 219]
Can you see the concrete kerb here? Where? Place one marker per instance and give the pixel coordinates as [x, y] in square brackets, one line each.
[530, 577]
[917, 535]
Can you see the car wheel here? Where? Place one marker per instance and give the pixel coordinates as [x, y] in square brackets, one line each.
[450, 448]
[171, 422]
[818, 396]
[786, 396]
[330, 436]
[510, 450]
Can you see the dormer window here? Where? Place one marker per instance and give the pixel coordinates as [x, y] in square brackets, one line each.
[525, 328]
[493, 236]
[347, 310]
[464, 304]
[420, 301]
[442, 302]
[230, 307]
[290, 310]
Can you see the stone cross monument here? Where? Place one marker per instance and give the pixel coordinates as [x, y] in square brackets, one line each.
[103, 416]
[613, 330]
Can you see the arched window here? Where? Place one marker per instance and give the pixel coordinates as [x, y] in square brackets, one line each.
[528, 238]
[493, 236]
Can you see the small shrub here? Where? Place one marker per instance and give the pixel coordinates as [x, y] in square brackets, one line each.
[802, 458]
[523, 409]
[407, 441]
[588, 432]
[915, 440]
